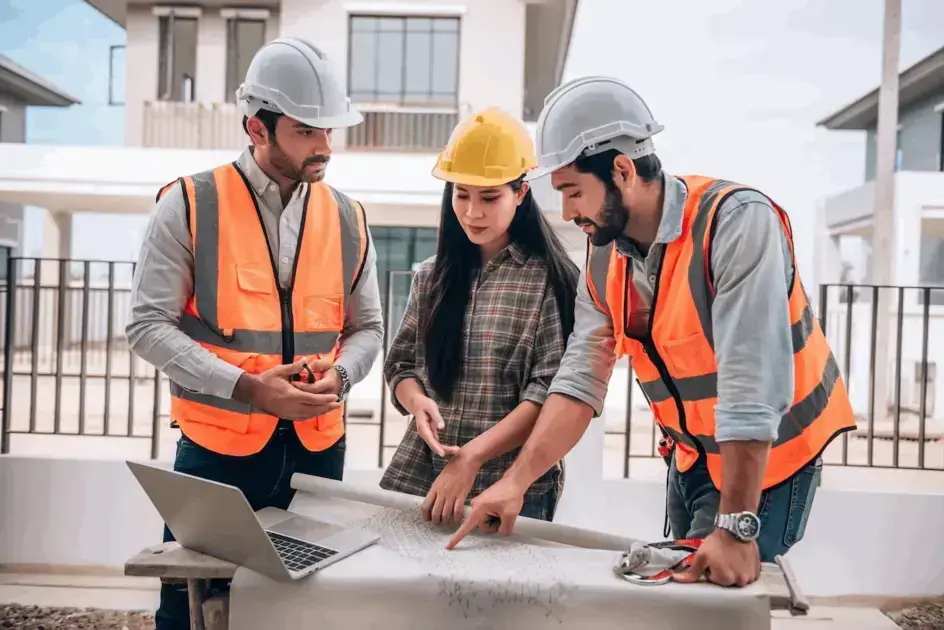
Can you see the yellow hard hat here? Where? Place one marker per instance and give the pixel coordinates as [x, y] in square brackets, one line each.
[488, 148]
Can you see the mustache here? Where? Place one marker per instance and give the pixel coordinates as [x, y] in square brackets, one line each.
[318, 159]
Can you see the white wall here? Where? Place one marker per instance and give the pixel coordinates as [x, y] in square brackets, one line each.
[142, 62]
[71, 512]
[488, 75]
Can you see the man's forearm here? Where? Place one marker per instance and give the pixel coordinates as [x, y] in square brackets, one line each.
[358, 351]
[743, 465]
[509, 433]
[184, 361]
[560, 425]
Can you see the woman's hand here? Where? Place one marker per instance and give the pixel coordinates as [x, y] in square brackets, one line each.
[429, 423]
[446, 499]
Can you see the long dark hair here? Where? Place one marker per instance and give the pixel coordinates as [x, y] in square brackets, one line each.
[458, 259]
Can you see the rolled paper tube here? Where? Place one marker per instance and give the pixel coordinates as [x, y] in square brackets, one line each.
[524, 526]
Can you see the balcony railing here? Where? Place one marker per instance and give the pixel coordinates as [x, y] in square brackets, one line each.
[188, 125]
[402, 129]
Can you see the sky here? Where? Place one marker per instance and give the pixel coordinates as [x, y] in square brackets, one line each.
[738, 84]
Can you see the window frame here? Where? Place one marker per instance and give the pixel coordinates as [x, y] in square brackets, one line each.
[166, 57]
[400, 100]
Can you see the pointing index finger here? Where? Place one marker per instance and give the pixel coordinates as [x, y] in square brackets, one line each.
[475, 518]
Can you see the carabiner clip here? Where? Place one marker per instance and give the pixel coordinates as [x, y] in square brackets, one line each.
[662, 577]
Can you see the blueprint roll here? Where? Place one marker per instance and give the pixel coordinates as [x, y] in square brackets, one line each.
[524, 527]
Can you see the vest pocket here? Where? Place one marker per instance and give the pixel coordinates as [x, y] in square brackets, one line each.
[322, 313]
[234, 418]
[255, 278]
[688, 356]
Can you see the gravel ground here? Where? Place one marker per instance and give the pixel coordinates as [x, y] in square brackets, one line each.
[927, 616]
[42, 618]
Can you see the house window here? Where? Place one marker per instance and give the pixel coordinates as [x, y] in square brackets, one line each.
[244, 38]
[399, 249]
[899, 154]
[177, 61]
[404, 60]
[940, 151]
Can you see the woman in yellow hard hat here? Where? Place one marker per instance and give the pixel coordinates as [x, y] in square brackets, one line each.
[484, 329]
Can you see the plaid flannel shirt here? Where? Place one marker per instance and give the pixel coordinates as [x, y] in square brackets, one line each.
[513, 346]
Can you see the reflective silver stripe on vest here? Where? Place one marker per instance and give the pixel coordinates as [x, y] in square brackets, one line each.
[598, 264]
[206, 251]
[258, 341]
[206, 328]
[697, 267]
[794, 422]
[224, 404]
[350, 239]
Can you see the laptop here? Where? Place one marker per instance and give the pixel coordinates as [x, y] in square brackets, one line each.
[216, 519]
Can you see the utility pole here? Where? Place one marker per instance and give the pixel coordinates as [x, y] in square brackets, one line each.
[883, 213]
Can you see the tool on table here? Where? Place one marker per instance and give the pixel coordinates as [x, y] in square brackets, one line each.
[675, 555]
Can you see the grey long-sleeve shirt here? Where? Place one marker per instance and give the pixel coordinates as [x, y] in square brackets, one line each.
[163, 282]
[752, 266]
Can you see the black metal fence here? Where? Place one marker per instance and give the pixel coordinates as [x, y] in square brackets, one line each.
[67, 369]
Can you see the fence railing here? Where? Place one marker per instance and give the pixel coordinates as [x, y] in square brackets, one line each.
[67, 369]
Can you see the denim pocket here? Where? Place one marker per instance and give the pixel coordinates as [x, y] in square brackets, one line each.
[802, 491]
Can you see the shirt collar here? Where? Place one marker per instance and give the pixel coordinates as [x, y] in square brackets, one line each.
[516, 253]
[259, 181]
[670, 225]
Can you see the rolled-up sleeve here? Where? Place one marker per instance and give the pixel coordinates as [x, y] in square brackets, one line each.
[400, 363]
[547, 351]
[751, 323]
[587, 364]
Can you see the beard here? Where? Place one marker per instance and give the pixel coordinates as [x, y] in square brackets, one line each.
[297, 173]
[612, 220]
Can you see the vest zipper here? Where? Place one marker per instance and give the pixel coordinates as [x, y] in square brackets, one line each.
[285, 294]
[654, 354]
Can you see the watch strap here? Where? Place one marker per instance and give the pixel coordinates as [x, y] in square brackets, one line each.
[345, 387]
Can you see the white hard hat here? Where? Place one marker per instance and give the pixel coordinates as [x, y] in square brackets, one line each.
[291, 76]
[590, 115]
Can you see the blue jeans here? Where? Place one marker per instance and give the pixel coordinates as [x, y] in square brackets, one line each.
[692, 503]
[543, 507]
[264, 479]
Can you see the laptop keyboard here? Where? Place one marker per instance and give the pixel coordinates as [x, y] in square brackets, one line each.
[298, 554]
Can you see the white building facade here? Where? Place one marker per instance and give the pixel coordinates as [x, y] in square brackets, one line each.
[413, 68]
[845, 257]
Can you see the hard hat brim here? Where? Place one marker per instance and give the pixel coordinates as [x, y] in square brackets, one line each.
[347, 119]
[470, 180]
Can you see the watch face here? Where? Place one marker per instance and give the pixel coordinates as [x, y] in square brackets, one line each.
[748, 526]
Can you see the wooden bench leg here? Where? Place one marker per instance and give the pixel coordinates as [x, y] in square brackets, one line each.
[216, 612]
[196, 594]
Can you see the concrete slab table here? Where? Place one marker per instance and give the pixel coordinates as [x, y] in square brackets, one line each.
[408, 581]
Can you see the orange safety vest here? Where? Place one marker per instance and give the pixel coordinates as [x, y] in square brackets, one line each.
[239, 312]
[671, 347]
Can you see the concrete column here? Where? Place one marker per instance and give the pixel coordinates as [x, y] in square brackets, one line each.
[57, 245]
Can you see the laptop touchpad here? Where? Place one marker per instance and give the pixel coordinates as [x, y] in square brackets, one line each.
[305, 529]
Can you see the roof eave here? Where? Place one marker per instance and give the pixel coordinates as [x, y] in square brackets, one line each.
[913, 83]
[33, 91]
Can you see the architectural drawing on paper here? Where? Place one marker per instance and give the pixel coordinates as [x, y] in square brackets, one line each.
[494, 573]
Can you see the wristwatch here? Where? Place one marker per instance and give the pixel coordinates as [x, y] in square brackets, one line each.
[345, 383]
[745, 526]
